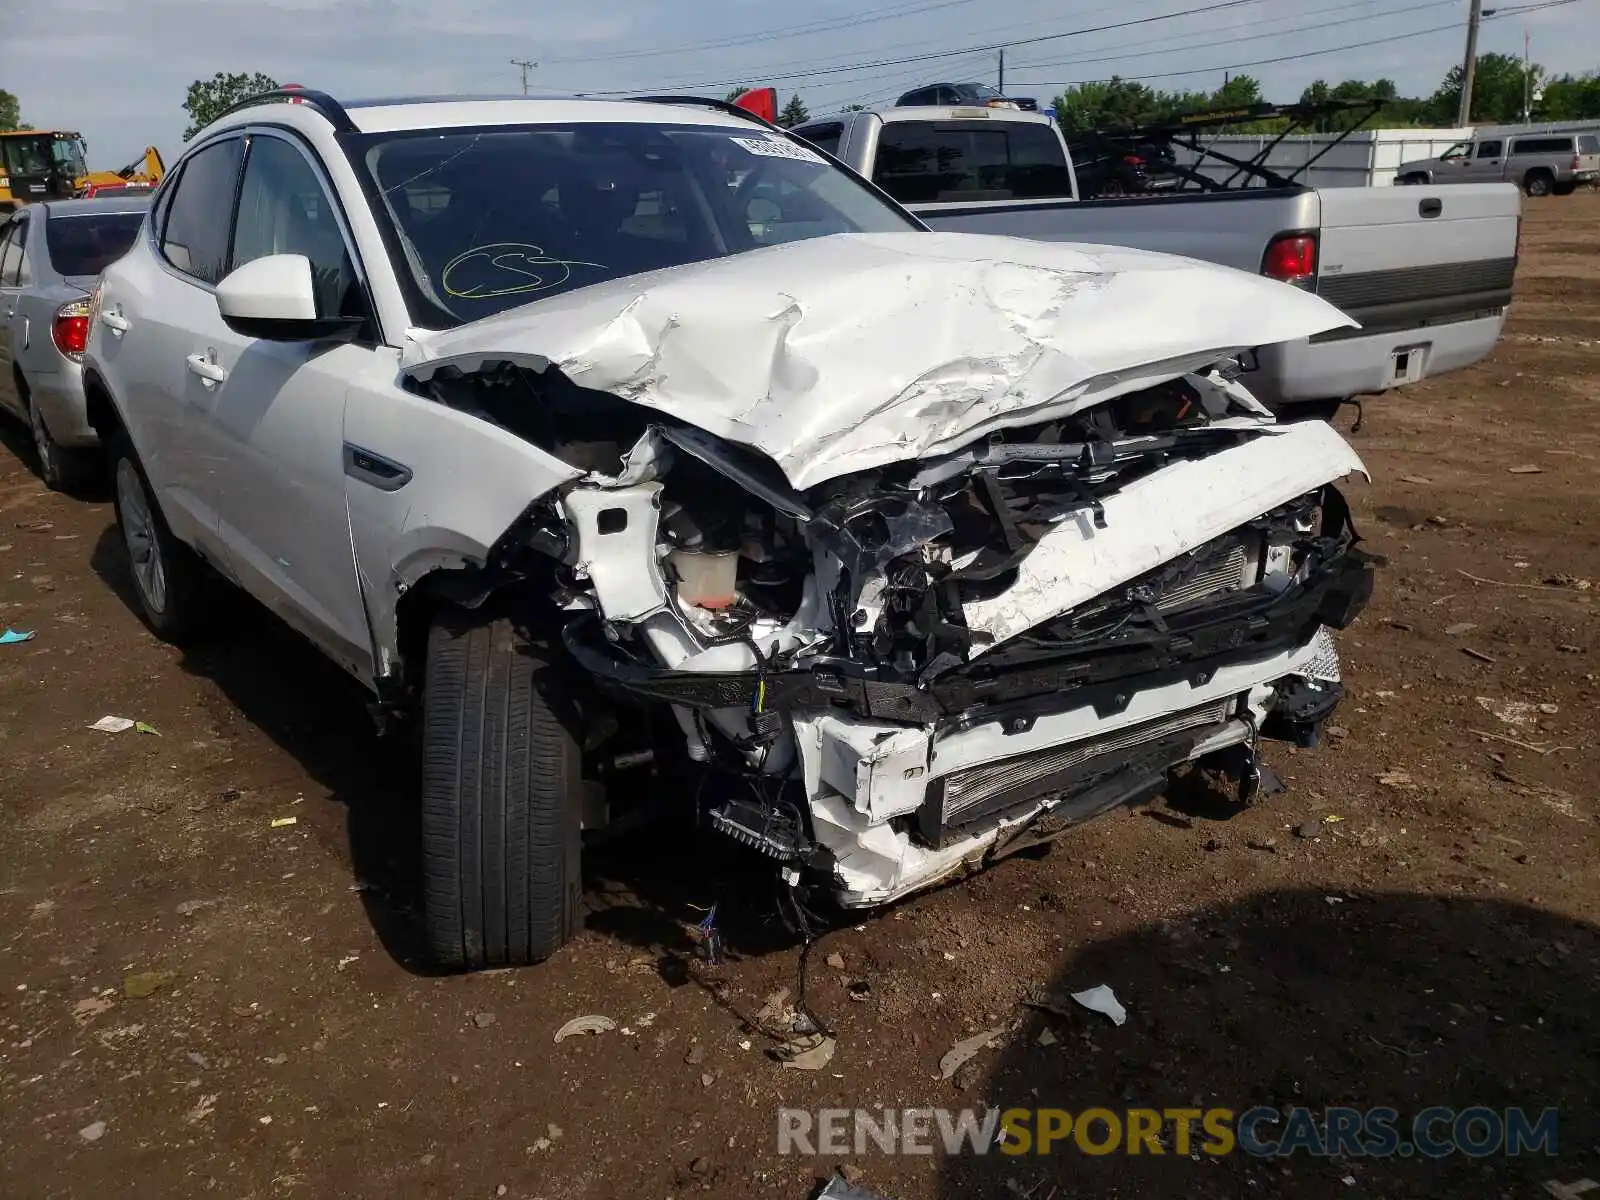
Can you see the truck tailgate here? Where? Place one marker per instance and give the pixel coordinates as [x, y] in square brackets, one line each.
[1411, 257]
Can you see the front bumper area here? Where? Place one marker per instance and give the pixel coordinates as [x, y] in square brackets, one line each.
[908, 782]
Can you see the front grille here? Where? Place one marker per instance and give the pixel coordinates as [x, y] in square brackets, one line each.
[967, 789]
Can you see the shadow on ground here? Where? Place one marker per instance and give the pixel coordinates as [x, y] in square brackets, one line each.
[646, 889]
[1290, 998]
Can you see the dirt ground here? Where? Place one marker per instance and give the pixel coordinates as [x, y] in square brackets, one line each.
[1437, 941]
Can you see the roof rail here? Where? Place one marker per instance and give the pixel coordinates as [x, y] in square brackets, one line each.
[321, 101]
[723, 106]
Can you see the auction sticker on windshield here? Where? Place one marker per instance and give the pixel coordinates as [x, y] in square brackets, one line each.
[779, 148]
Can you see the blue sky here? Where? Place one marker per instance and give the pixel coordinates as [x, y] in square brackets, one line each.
[117, 71]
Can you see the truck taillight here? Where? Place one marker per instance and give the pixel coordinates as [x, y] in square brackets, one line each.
[1291, 258]
[70, 329]
[1577, 162]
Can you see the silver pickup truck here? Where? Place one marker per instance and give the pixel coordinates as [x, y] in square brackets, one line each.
[1427, 273]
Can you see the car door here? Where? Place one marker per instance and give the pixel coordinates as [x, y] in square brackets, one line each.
[271, 461]
[10, 254]
[151, 304]
[1488, 162]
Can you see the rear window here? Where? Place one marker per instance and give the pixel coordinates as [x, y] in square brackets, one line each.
[492, 219]
[1589, 144]
[926, 162]
[823, 137]
[88, 244]
[1549, 145]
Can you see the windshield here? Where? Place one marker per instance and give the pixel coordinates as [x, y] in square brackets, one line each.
[67, 152]
[492, 219]
[88, 244]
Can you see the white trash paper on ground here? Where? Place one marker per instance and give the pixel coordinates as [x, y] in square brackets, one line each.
[1103, 1000]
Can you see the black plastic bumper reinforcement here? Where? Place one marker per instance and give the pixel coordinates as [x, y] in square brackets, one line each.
[1193, 646]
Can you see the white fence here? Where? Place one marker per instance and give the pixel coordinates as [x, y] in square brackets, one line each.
[1363, 159]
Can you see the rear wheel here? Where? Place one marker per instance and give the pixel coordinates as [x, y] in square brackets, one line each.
[167, 575]
[1538, 183]
[501, 799]
[61, 468]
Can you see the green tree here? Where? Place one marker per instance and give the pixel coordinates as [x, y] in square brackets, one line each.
[855, 108]
[1108, 104]
[1571, 98]
[1497, 86]
[794, 113]
[10, 111]
[1238, 91]
[736, 93]
[208, 99]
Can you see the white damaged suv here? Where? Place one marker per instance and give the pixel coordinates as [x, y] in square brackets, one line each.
[616, 437]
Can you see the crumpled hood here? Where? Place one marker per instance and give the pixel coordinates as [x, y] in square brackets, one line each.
[844, 353]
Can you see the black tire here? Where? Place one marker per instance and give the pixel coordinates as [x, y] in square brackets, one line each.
[1538, 183]
[61, 468]
[501, 800]
[173, 609]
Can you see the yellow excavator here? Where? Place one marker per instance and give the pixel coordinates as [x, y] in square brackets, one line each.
[51, 164]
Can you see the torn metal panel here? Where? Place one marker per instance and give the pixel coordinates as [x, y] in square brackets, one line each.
[1159, 517]
[839, 354]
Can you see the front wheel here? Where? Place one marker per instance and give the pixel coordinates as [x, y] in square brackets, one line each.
[501, 799]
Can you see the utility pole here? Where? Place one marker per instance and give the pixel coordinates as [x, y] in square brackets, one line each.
[1527, 80]
[1002, 84]
[1469, 64]
[525, 65]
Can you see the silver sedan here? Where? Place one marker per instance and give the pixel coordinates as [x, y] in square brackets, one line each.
[50, 256]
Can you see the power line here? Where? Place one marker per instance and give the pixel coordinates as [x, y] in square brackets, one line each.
[769, 35]
[988, 47]
[1261, 62]
[1254, 37]
[883, 88]
[1495, 15]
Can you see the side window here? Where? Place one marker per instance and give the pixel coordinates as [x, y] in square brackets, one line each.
[918, 98]
[194, 233]
[283, 209]
[824, 137]
[24, 268]
[9, 253]
[1489, 149]
[1546, 145]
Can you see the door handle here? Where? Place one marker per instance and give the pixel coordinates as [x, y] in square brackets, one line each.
[117, 325]
[210, 373]
[374, 469]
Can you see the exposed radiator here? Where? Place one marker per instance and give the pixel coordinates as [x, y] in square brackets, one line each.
[966, 789]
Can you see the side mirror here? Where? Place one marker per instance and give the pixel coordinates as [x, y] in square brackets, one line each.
[275, 299]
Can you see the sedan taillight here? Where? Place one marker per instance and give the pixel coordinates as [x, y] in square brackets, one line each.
[70, 329]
